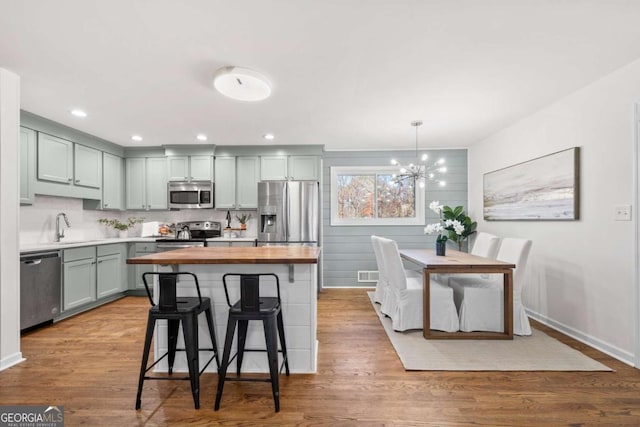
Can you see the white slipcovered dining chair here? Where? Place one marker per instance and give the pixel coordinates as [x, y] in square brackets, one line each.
[485, 245]
[404, 298]
[482, 303]
[383, 282]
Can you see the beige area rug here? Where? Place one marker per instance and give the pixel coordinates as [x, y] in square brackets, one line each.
[537, 352]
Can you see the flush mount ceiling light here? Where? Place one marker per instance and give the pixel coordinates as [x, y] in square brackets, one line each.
[241, 84]
[419, 172]
[78, 113]
[136, 138]
[268, 136]
[201, 137]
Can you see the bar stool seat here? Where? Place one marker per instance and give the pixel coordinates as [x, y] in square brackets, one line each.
[252, 306]
[177, 310]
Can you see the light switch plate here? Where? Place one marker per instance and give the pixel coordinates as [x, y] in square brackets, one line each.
[622, 213]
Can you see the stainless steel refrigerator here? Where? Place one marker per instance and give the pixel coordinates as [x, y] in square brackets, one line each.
[288, 213]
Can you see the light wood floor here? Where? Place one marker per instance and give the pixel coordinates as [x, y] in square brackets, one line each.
[90, 363]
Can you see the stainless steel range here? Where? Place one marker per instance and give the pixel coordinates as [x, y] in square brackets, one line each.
[190, 234]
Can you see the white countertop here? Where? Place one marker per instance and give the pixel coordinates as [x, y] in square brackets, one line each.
[55, 246]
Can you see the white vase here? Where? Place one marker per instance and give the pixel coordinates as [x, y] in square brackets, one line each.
[123, 234]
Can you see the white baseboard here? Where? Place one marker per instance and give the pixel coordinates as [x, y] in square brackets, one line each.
[613, 351]
[11, 360]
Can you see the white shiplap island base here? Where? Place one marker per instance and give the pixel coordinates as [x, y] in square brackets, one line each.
[296, 268]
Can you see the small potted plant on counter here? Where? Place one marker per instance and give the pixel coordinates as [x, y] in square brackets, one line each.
[243, 220]
[119, 226]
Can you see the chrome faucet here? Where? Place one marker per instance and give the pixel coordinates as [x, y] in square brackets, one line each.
[59, 231]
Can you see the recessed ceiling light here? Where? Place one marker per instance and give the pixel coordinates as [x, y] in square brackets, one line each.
[268, 136]
[78, 113]
[241, 84]
[136, 138]
[201, 137]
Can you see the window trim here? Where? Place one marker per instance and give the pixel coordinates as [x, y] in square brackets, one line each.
[419, 207]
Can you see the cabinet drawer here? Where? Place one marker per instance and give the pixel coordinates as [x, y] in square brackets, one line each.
[116, 248]
[75, 254]
[145, 247]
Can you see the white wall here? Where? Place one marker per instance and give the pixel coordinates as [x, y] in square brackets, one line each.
[580, 277]
[9, 222]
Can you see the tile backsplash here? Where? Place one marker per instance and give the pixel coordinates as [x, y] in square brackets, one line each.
[38, 221]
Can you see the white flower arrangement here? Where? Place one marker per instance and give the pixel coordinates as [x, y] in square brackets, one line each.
[454, 222]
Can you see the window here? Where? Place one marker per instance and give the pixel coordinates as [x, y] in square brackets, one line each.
[367, 196]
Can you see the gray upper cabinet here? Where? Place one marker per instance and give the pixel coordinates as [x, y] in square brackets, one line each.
[303, 168]
[201, 168]
[55, 159]
[112, 187]
[280, 168]
[135, 181]
[67, 169]
[178, 168]
[156, 177]
[27, 165]
[247, 177]
[88, 166]
[146, 183]
[273, 168]
[190, 168]
[225, 178]
[237, 182]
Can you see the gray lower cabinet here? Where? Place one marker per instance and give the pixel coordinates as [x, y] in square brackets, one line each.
[91, 273]
[136, 270]
[110, 270]
[79, 277]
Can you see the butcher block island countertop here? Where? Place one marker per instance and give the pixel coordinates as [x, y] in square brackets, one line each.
[237, 255]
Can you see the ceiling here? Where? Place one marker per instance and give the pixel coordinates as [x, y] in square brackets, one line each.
[348, 74]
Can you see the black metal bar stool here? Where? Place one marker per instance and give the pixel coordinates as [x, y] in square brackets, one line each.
[252, 306]
[175, 310]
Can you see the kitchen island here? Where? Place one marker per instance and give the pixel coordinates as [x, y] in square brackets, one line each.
[296, 268]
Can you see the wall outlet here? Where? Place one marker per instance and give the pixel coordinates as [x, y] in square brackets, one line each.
[622, 213]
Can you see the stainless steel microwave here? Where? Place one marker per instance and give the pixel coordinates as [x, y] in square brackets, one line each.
[190, 195]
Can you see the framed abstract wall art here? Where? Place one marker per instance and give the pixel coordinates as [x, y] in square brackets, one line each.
[546, 188]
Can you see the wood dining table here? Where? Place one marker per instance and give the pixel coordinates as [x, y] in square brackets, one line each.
[456, 262]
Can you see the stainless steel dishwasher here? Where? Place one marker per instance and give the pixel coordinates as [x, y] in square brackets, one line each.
[40, 288]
